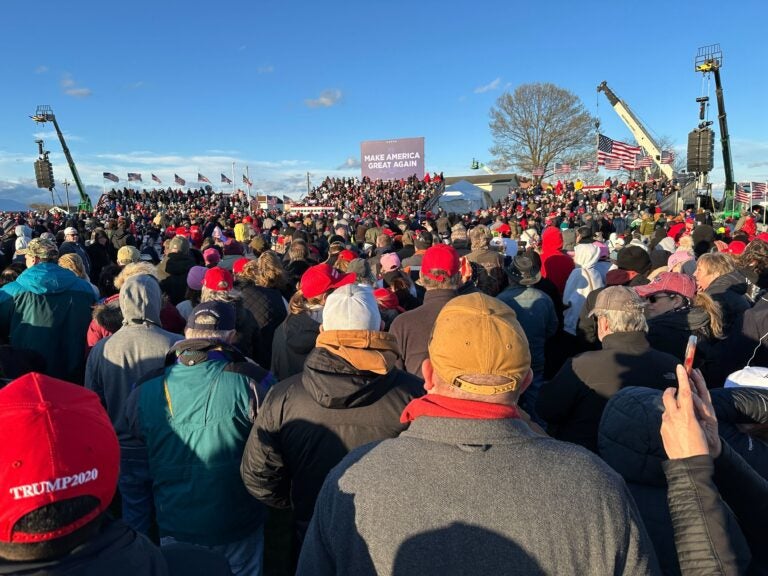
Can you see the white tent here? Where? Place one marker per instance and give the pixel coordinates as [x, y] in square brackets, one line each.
[463, 197]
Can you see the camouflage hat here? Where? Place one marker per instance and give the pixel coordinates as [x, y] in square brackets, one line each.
[40, 248]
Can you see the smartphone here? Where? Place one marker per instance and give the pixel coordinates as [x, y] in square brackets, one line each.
[690, 352]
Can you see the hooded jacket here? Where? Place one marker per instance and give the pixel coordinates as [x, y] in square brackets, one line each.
[310, 421]
[48, 309]
[139, 347]
[581, 282]
[669, 333]
[555, 265]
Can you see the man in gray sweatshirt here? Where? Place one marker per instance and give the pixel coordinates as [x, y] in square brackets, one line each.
[470, 488]
[114, 365]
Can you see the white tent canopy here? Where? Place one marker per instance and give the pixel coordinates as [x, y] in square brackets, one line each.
[463, 197]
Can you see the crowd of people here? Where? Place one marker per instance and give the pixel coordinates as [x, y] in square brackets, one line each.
[194, 385]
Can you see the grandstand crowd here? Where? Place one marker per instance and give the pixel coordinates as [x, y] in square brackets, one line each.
[193, 384]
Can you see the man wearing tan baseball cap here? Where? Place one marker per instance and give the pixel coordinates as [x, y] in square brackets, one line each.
[469, 488]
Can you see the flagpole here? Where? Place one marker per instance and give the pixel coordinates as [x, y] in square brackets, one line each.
[248, 190]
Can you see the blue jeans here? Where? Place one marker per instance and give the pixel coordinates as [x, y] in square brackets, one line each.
[245, 556]
[135, 487]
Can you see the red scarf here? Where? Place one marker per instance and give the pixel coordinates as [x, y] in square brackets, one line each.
[439, 406]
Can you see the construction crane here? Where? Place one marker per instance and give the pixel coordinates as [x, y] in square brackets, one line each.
[642, 136]
[709, 59]
[45, 114]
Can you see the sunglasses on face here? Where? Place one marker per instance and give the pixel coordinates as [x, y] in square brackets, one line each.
[656, 297]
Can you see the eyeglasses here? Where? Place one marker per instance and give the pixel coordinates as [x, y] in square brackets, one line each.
[653, 298]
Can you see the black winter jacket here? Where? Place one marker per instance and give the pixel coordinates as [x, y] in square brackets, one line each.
[706, 542]
[293, 340]
[748, 339]
[730, 291]
[309, 422]
[573, 401]
[267, 308]
[172, 272]
[117, 550]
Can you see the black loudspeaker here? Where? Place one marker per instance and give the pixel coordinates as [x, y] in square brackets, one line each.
[701, 150]
[44, 174]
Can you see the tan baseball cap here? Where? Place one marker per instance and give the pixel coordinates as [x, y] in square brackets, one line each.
[40, 248]
[618, 299]
[479, 334]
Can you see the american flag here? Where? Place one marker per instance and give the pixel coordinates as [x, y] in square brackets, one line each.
[613, 163]
[588, 165]
[179, 180]
[742, 196]
[103, 200]
[538, 171]
[667, 156]
[225, 180]
[286, 200]
[562, 168]
[156, 179]
[110, 176]
[607, 149]
[758, 190]
[643, 162]
[201, 178]
[134, 177]
[272, 201]
[246, 181]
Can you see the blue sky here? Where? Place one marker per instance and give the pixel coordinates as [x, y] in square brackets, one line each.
[293, 87]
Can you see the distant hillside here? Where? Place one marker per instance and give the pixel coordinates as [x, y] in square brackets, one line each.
[10, 205]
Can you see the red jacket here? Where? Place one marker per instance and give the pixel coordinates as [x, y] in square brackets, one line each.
[555, 265]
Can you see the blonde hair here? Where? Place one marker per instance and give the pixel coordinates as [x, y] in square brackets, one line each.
[266, 271]
[74, 263]
[713, 310]
[299, 303]
[135, 269]
[716, 263]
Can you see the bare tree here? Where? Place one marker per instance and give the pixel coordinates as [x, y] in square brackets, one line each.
[538, 124]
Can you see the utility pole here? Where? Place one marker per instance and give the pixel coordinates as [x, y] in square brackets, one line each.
[66, 188]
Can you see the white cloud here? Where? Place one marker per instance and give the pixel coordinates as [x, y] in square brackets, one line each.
[267, 69]
[349, 163]
[41, 69]
[136, 85]
[71, 88]
[326, 99]
[51, 135]
[488, 87]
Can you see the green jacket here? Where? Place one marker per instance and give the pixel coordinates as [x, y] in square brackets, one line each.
[194, 417]
[48, 310]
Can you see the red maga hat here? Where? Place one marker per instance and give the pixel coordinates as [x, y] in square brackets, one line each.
[321, 278]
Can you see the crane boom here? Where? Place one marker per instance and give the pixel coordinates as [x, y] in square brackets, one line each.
[642, 136]
[45, 114]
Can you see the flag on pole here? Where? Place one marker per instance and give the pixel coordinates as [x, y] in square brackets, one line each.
[179, 180]
[246, 181]
[156, 179]
[201, 178]
[613, 163]
[586, 166]
[741, 196]
[562, 168]
[538, 171]
[225, 180]
[758, 190]
[110, 176]
[134, 177]
[667, 156]
[613, 149]
[643, 162]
